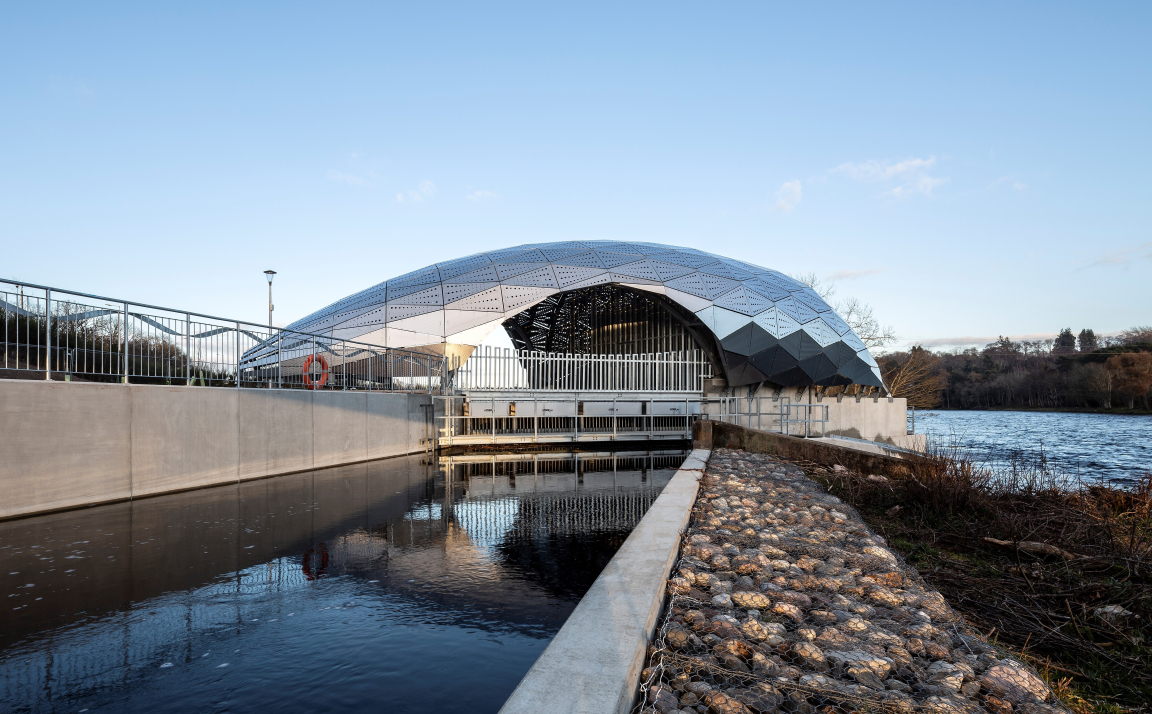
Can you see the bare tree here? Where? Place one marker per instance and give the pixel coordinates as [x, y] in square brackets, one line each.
[1136, 335]
[857, 314]
[859, 317]
[914, 375]
[824, 290]
[1098, 383]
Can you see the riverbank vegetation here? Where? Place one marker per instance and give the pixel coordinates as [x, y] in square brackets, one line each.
[1070, 372]
[1062, 576]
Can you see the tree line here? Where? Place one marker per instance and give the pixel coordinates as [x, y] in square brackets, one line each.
[1072, 371]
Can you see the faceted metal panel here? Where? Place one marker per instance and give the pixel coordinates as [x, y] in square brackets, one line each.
[668, 271]
[517, 297]
[581, 260]
[459, 291]
[507, 270]
[612, 259]
[765, 325]
[744, 301]
[539, 278]
[483, 274]
[568, 275]
[455, 268]
[639, 269]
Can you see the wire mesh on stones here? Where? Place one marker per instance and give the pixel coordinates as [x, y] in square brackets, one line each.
[784, 601]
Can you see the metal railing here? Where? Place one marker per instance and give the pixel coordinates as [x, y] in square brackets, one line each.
[507, 419]
[775, 414]
[505, 369]
[62, 333]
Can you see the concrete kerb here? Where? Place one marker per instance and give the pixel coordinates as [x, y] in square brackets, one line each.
[593, 664]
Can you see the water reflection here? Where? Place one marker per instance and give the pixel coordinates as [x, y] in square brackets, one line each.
[400, 584]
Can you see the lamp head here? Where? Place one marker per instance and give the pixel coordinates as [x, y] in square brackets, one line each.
[269, 273]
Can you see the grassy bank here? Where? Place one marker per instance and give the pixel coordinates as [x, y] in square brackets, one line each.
[1061, 576]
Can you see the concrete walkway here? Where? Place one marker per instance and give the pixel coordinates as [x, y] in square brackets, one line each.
[593, 665]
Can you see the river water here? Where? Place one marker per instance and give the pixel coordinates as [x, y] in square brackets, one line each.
[1111, 448]
[393, 586]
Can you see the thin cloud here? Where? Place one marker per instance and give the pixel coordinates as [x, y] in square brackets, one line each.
[978, 341]
[883, 170]
[852, 274]
[923, 185]
[350, 179]
[1010, 182]
[912, 175]
[1122, 256]
[788, 196]
[480, 195]
[425, 191]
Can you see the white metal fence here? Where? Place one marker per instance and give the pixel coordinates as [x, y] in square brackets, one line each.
[506, 369]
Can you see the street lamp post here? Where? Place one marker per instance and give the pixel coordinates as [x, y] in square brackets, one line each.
[270, 274]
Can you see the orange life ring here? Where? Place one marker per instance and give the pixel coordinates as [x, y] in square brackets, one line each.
[308, 383]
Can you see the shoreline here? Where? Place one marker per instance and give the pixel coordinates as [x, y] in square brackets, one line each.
[1055, 410]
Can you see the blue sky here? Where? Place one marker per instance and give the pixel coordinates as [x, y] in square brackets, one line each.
[970, 170]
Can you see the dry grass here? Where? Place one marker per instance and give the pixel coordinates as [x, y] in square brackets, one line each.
[1064, 553]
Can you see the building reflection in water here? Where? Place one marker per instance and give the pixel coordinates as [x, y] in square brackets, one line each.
[413, 585]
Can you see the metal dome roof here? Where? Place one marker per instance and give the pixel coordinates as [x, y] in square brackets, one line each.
[768, 327]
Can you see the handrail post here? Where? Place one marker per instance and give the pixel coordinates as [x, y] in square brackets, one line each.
[124, 345]
[237, 355]
[280, 359]
[187, 349]
[48, 334]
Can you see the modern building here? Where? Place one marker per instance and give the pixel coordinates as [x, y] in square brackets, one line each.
[756, 325]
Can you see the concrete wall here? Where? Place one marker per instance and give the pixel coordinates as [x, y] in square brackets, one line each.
[880, 419]
[64, 445]
[875, 419]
